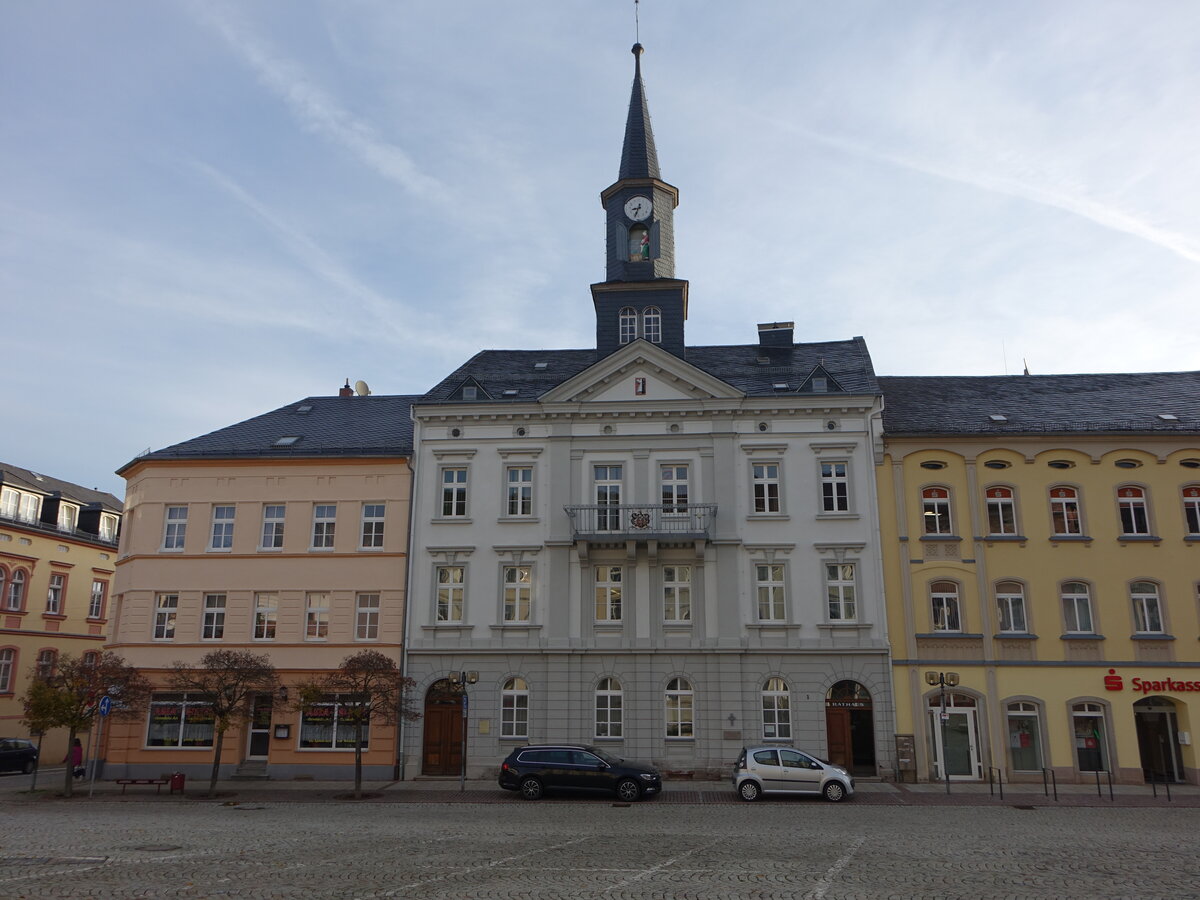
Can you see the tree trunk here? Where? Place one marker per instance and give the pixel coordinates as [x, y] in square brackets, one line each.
[69, 781]
[216, 769]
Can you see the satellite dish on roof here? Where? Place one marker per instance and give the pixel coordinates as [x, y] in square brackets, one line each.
[360, 388]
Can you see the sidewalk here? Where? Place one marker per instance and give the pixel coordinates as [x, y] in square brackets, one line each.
[439, 790]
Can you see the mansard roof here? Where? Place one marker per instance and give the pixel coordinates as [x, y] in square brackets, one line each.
[1042, 404]
[35, 482]
[516, 376]
[322, 427]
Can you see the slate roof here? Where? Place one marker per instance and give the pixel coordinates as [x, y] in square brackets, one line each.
[331, 426]
[846, 362]
[1041, 404]
[639, 159]
[27, 479]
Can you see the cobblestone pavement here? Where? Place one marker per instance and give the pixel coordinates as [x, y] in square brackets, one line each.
[592, 849]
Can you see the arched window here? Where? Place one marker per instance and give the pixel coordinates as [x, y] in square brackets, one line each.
[652, 324]
[1001, 510]
[8, 659]
[1010, 607]
[639, 243]
[1091, 750]
[1077, 608]
[1191, 509]
[680, 712]
[1147, 610]
[943, 596]
[1131, 503]
[1024, 737]
[777, 711]
[627, 325]
[935, 510]
[91, 659]
[609, 708]
[514, 708]
[1064, 511]
[47, 661]
[16, 591]
[3, 582]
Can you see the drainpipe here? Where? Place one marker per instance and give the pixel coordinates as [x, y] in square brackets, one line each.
[398, 770]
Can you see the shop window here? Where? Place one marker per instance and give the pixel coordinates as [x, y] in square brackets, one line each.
[1091, 751]
[1024, 737]
[180, 720]
[329, 724]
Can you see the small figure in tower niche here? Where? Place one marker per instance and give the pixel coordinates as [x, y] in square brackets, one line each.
[639, 243]
[74, 759]
[645, 245]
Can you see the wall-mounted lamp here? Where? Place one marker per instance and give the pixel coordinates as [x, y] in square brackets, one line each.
[283, 693]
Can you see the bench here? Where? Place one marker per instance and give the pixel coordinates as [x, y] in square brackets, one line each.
[157, 782]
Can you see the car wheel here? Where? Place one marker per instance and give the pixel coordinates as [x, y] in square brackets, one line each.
[834, 791]
[28, 767]
[531, 789]
[628, 790]
[749, 790]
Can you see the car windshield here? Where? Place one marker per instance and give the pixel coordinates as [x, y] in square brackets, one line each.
[611, 760]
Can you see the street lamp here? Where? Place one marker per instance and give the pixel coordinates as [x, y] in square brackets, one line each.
[458, 683]
[943, 680]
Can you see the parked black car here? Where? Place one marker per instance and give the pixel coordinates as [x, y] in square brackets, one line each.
[17, 755]
[537, 768]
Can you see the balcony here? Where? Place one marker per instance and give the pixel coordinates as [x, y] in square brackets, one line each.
[645, 522]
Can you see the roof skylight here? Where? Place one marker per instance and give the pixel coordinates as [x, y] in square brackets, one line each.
[287, 440]
[511, 392]
[996, 417]
[1168, 417]
[541, 365]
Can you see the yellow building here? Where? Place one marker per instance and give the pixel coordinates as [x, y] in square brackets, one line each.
[1042, 543]
[58, 546]
[285, 535]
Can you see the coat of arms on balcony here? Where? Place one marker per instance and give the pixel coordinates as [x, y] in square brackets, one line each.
[639, 519]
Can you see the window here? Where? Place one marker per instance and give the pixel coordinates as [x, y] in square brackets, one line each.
[366, 618]
[1064, 511]
[68, 515]
[776, 707]
[16, 591]
[674, 488]
[935, 510]
[518, 593]
[8, 659]
[519, 490]
[266, 615]
[10, 501]
[1191, 509]
[1147, 610]
[54, 595]
[91, 659]
[372, 525]
[316, 616]
[943, 596]
[608, 593]
[514, 709]
[31, 508]
[108, 527]
[176, 527]
[835, 487]
[607, 483]
[627, 325]
[1001, 512]
[1010, 607]
[609, 708]
[679, 709]
[677, 594]
[222, 528]
[179, 720]
[454, 492]
[652, 324]
[1091, 751]
[165, 608]
[16, 504]
[1024, 737]
[766, 487]
[324, 525]
[47, 662]
[1131, 502]
[839, 591]
[272, 530]
[3, 586]
[1077, 608]
[213, 626]
[451, 593]
[96, 600]
[329, 724]
[768, 588]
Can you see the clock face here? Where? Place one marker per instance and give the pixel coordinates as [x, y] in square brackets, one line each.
[638, 208]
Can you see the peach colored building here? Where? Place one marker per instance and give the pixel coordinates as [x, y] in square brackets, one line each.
[285, 535]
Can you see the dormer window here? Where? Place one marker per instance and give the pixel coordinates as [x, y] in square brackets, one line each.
[652, 324]
[67, 516]
[639, 243]
[820, 385]
[627, 325]
[470, 393]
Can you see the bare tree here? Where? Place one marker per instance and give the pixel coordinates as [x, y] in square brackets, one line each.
[366, 688]
[69, 696]
[228, 681]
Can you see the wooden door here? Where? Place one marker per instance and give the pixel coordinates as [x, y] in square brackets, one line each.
[837, 734]
[441, 751]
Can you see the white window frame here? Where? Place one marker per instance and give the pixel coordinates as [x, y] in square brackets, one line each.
[337, 743]
[770, 591]
[374, 514]
[677, 594]
[108, 527]
[55, 594]
[212, 627]
[97, 599]
[835, 486]
[166, 614]
[1147, 608]
[455, 482]
[609, 707]
[776, 710]
[1071, 603]
[1191, 509]
[679, 707]
[14, 600]
[1001, 502]
[366, 616]
[936, 513]
[766, 487]
[841, 591]
[1133, 509]
[265, 625]
[1023, 709]
[517, 600]
[514, 708]
[609, 582]
[607, 489]
[674, 488]
[273, 526]
[68, 517]
[31, 507]
[450, 595]
[324, 526]
[518, 491]
[10, 502]
[1066, 511]
[175, 528]
[316, 616]
[945, 607]
[1010, 605]
[8, 663]
[627, 325]
[652, 324]
[183, 733]
[221, 537]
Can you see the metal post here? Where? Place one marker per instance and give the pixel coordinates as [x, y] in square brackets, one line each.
[99, 734]
[462, 776]
[945, 717]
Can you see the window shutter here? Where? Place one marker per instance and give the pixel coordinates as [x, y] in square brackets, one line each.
[654, 240]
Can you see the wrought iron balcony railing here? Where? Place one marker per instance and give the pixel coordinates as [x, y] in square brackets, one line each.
[686, 521]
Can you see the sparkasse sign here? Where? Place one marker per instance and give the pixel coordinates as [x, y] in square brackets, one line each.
[1114, 682]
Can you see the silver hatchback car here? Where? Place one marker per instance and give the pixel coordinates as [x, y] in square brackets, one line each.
[782, 770]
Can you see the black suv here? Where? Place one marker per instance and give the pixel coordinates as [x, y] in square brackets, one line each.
[537, 768]
[17, 755]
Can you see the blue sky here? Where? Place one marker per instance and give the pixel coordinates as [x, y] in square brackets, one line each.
[210, 209]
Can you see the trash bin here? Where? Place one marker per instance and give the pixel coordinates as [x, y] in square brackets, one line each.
[178, 780]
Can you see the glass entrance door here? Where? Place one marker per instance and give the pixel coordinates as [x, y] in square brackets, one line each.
[1158, 743]
[956, 739]
[260, 728]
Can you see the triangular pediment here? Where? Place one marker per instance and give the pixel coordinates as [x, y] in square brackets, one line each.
[641, 371]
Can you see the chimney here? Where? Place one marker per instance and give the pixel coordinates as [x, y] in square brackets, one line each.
[775, 334]
[346, 391]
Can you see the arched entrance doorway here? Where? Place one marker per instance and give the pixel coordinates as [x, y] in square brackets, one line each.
[850, 727]
[442, 742]
[955, 738]
[1158, 739]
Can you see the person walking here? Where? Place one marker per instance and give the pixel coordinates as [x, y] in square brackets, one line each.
[74, 758]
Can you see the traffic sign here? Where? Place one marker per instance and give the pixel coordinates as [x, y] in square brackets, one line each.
[105, 706]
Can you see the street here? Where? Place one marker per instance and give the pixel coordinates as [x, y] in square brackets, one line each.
[592, 849]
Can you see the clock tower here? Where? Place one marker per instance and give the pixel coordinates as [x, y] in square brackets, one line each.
[641, 298]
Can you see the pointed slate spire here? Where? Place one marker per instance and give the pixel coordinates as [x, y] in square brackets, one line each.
[638, 157]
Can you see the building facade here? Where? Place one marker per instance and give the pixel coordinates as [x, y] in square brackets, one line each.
[669, 551]
[285, 535]
[58, 550]
[1040, 538]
